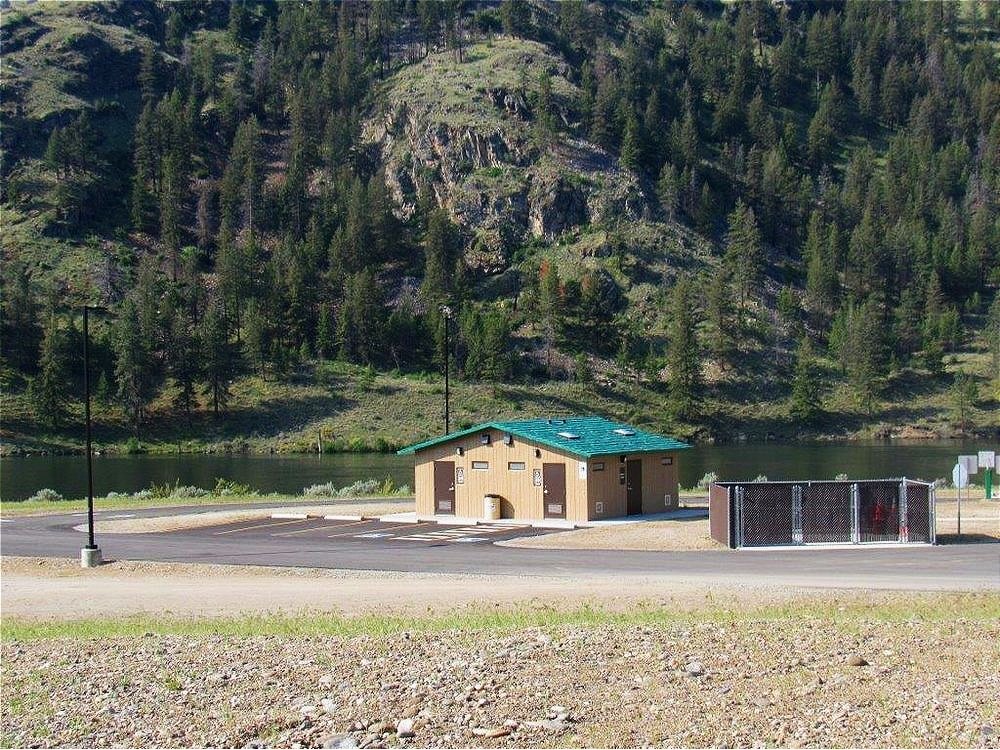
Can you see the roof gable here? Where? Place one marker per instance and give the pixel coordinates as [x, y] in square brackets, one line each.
[580, 436]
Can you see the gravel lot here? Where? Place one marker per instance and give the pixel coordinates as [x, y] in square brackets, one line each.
[796, 681]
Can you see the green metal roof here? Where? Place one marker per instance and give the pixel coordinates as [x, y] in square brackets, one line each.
[581, 436]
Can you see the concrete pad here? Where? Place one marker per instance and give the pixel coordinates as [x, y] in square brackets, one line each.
[400, 518]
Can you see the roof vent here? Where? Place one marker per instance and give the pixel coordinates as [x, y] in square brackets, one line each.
[623, 431]
[569, 435]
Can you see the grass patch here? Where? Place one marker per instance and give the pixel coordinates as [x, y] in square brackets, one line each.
[930, 608]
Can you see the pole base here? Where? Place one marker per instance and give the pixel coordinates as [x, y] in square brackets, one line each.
[90, 557]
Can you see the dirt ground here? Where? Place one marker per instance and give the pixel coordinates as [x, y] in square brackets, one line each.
[44, 588]
[685, 534]
[798, 679]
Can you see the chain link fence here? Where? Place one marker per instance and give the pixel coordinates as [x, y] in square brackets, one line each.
[761, 514]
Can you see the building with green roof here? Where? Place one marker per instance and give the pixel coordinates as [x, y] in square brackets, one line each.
[573, 468]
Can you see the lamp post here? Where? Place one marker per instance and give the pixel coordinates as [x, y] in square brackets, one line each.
[446, 312]
[90, 556]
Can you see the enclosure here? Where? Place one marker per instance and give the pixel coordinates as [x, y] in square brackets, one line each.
[762, 514]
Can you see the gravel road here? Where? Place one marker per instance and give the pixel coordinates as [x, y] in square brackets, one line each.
[710, 682]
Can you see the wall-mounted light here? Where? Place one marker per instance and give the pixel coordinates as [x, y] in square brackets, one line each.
[508, 439]
[621, 459]
[484, 439]
[538, 452]
[460, 450]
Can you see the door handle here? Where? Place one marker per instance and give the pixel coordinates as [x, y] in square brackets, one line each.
[545, 492]
[451, 489]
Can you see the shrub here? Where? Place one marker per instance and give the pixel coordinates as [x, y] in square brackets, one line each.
[227, 487]
[760, 478]
[709, 479]
[360, 488]
[45, 495]
[842, 477]
[133, 446]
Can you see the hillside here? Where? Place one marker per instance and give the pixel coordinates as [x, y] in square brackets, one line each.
[724, 221]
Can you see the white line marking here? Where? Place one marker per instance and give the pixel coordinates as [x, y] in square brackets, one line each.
[122, 515]
[317, 528]
[259, 526]
[373, 535]
[466, 540]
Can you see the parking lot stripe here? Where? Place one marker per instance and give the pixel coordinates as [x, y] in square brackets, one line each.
[261, 526]
[387, 528]
[318, 528]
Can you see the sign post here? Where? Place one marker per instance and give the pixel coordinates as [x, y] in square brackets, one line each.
[960, 478]
[988, 462]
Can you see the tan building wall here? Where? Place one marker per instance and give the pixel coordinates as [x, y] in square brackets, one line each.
[608, 494]
[521, 497]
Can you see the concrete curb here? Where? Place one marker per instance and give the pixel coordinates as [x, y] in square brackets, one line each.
[290, 515]
[341, 517]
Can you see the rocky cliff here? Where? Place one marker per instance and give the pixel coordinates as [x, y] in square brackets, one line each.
[467, 134]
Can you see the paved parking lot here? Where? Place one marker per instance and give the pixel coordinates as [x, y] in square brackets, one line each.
[421, 533]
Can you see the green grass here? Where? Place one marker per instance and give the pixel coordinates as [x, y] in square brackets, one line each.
[933, 608]
[11, 508]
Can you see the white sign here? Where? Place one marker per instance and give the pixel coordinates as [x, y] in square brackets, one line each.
[987, 459]
[583, 470]
[971, 463]
[960, 476]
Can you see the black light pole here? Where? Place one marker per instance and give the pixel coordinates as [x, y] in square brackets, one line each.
[446, 312]
[90, 556]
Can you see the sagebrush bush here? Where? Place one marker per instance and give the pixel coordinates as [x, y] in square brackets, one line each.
[46, 494]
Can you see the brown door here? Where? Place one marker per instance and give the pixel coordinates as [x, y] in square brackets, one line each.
[633, 487]
[554, 490]
[444, 487]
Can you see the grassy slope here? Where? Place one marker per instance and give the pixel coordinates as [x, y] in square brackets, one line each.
[288, 416]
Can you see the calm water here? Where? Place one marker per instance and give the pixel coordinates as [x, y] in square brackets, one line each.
[21, 477]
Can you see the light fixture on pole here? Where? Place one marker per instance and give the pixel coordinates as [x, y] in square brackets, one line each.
[90, 555]
[446, 313]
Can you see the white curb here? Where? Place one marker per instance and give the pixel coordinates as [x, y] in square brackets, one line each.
[289, 515]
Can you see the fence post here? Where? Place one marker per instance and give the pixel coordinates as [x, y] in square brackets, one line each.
[796, 514]
[932, 512]
[739, 516]
[855, 515]
[904, 529]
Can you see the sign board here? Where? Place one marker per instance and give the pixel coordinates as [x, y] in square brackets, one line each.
[960, 476]
[987, 459]
[583, 469]
[971, 463]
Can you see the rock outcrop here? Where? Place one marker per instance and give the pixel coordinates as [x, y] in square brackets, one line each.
[465, 134]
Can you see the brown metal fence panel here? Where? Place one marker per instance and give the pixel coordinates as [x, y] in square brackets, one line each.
[918, 512]
[718, 514]
[766, 514]
[826, 513]
[878, 511]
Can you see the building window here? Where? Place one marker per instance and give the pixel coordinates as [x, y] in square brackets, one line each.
[515, 465]
[599, 466]
[668, 461]
[480, 465]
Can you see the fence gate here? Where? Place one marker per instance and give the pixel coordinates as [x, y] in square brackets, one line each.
[760, 514]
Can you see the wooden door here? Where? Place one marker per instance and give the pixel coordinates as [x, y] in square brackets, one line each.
[444, 487]
[554, 490]
[633, 487]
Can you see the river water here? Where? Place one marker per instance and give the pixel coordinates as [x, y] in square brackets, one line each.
[22, 476]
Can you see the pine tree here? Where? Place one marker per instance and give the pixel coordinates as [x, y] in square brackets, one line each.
[744, 257]
[133, 362]
[441, 253]
[49, 390]
[668, 190]
[683, 356]
[550, 308]
[721, 324]
[325, 333]
[217, 355]
[631, 156]
[805, 399]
